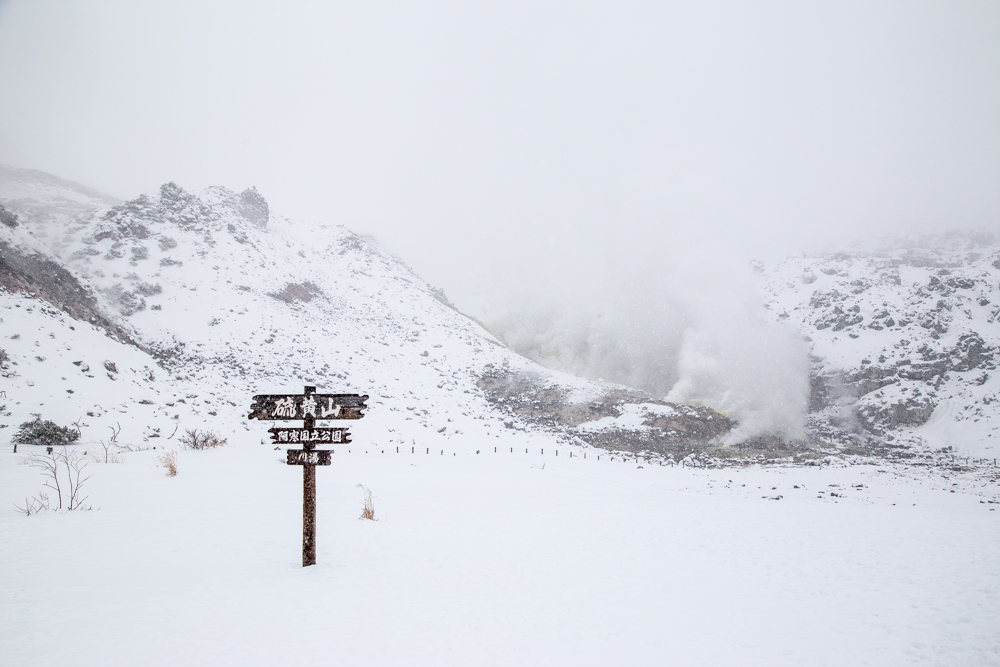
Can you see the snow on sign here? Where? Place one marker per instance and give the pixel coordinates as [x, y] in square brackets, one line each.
[304, 406]
[308, 406]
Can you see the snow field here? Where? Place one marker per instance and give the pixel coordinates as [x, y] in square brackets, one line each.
[493, 559]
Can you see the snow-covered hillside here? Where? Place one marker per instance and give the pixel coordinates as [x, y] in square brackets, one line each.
[207, 299]
[212, 298]
[905, 343]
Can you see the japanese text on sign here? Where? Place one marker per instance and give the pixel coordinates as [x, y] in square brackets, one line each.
[303, 406]
[310, 435]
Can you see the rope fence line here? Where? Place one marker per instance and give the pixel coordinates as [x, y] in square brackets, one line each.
[662, 461]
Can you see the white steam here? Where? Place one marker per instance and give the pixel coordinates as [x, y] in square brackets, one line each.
[682, 319]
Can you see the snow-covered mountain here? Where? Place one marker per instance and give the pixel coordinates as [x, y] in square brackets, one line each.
[904, 341]
[173, 309]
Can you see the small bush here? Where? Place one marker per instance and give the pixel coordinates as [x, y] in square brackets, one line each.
[168, 460]
[193, 439]
[44, 432]
[148, 289]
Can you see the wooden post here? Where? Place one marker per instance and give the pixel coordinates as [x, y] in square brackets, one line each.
[309, 499]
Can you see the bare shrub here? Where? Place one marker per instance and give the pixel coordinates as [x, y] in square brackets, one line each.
[34, 505]
[112, 450]
[168, 460]
[194, 439]
[368, 511]
[63, 473]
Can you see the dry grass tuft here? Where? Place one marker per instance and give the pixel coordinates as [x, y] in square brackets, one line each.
[369, 510]
[107, 456]
[168, 460]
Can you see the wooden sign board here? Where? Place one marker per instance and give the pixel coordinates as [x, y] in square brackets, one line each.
[305, 406]
[309, 457]
[312, 436]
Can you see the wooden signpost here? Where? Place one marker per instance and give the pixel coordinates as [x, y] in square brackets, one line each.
[308, 407]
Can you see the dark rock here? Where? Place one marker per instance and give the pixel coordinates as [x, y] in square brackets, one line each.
[872, 378]
[7, 218]
[881, 417]
[304, 291]
[254, 207]
[924, 371]
[972, 352]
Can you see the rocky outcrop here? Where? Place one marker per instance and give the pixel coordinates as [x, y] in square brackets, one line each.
[45, 278]
[884, 414]
[254, 207]
[894, 332]
[669, 429]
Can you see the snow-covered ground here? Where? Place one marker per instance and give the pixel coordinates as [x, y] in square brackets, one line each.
[502, 558]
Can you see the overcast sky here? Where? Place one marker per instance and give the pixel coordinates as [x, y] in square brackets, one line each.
[482, 141]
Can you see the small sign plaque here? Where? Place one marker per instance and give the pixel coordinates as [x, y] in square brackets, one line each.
[311, 436]
[309, 457]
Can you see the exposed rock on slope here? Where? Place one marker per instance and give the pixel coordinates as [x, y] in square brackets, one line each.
[904, 341]
[45, 278]
[619, 419]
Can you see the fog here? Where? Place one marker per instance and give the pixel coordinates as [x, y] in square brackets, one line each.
[590, 180]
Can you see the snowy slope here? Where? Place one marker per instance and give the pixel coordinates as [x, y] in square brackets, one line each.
[905, 341]
[226, 300]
